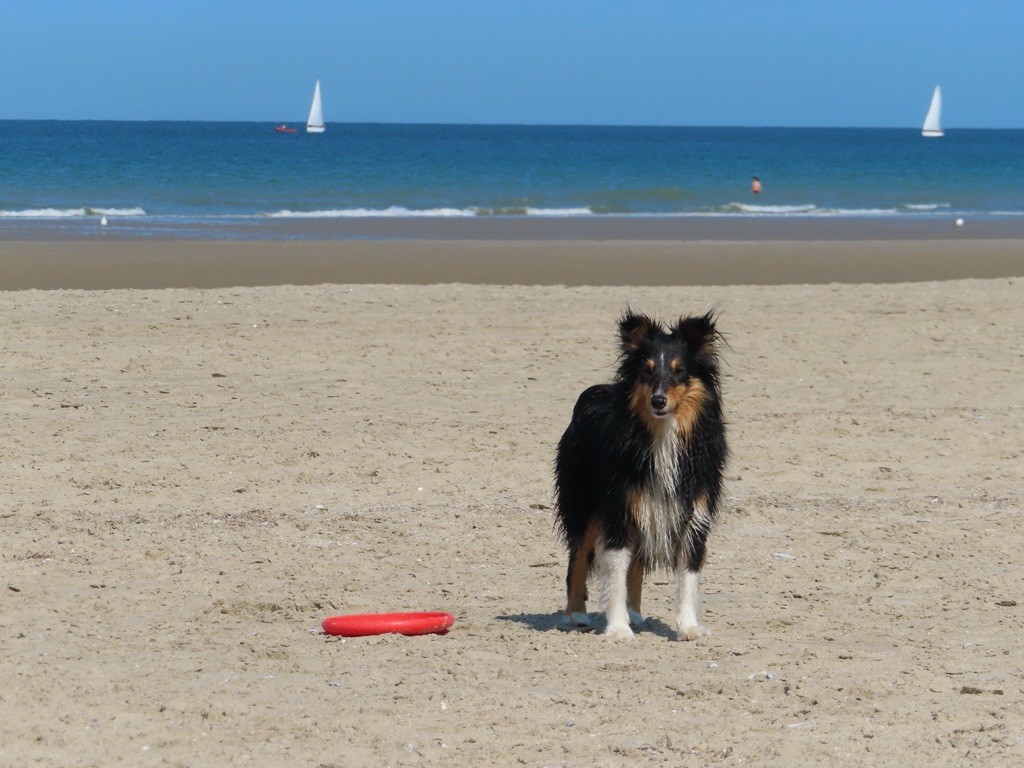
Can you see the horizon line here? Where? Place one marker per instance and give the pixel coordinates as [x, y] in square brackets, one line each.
[497, 124]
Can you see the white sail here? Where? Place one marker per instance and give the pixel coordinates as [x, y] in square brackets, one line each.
[315, 123]
[933, 121]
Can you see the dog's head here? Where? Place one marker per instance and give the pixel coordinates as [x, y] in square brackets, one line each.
[672, 371]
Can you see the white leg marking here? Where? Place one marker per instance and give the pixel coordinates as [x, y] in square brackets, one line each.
[615, 566]
[688, 605]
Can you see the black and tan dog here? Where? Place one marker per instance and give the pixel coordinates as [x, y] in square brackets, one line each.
[639, 471]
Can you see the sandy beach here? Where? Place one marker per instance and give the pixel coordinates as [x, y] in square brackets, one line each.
[210, 447]
[592, 261]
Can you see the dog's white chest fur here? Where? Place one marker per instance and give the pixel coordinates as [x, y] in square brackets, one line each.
[659, 514]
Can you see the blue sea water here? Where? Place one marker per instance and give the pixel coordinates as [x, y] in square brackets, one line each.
[238, 179]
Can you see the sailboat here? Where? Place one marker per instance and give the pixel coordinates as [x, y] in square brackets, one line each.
[932, 121]
[315, 123]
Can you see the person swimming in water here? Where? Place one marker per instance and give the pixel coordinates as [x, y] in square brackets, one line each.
[755, 186]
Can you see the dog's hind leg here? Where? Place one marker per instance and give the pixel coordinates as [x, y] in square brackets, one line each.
[634, 589]
[581, 558]
[690, 561]
[615, 568]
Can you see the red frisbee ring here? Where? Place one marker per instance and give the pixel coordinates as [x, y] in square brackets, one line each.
[415, 623]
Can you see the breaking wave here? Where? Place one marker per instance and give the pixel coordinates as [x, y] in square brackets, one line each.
[69, 213]
[401, 212]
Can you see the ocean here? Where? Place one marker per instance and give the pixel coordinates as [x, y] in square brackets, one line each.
[246, 181]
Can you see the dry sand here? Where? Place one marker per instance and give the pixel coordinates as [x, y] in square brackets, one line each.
[194, 479]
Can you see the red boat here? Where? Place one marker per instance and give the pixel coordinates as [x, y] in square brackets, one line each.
[285, 129]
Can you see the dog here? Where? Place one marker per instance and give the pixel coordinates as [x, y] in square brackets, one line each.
[638, 472]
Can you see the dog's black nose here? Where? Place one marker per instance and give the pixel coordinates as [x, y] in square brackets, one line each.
[658, 402]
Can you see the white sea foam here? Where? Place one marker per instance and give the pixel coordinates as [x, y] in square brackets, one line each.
[69, 213]
[734, 209]
[392, 212]
[44, 213]
[770, 209]
[860, 211]
[115, 212]
[401, 212]
[925, 206]
[559, 212]
[808, 210]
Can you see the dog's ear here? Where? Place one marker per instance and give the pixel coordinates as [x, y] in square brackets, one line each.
[634, 328]
[700, 334]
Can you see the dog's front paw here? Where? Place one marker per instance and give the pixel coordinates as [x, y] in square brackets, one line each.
[576, 620]
[691, 633]
[618, 632]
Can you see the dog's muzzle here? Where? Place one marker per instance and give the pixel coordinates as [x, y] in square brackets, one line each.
[659, 403]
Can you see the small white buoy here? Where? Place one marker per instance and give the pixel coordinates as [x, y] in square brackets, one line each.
[959, 222]
[103, 221]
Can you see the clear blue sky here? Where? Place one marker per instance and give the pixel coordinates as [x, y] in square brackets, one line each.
[640, 62]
